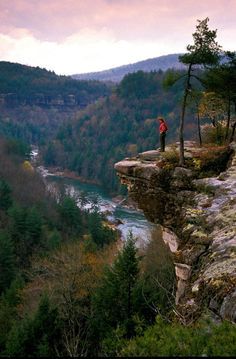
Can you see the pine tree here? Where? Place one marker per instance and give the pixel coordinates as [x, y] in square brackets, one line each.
[114, 301]
[9, 302]
[222, 81]
[205, 51]
[36, 336]
[25, 229]
[70, 216]
[33, 227]
[5, 195]
[101, 235]
[7, 261]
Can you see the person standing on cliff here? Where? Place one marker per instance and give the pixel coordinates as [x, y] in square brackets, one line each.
[162, 130]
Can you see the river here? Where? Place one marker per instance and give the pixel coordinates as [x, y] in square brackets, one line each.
[88, 194]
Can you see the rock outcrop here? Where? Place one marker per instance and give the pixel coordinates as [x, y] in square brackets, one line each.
[198, 217]
[42, 100]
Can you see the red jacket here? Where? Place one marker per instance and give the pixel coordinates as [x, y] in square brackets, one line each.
[163, 127]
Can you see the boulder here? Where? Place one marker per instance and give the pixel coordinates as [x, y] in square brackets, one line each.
[126, 167]
[182, 271]
[171, 239]
[228, 307]
[149, 155]
[200, 224]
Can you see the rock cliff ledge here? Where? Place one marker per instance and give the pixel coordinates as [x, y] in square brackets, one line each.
[198, 218]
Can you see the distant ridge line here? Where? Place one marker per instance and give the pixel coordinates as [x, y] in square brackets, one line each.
[116, 74]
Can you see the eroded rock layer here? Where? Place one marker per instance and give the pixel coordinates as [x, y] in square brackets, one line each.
[198, 217]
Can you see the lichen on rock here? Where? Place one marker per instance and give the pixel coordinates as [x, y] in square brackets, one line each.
[198, 217]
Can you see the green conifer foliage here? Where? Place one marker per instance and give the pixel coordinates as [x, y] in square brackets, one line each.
[114, 301]
[36, 336]
[70, 215]
[7, 261]
[5, 195]
[25, 229]
[9, 301]
[100, 234]
[205, 51]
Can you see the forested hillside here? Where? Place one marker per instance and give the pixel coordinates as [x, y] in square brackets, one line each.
[117, 74]
[121, 125]
[57, 280]
[20, 84]
[36, 227]
[66, 289]
[34, 102]
[67, 285]
[80, 125]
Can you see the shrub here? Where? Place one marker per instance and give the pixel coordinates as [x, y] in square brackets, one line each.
[172, 156]
[211, 161]
[214, 134]
[202, 339]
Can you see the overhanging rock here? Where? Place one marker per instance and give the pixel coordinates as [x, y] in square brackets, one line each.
[198, 218]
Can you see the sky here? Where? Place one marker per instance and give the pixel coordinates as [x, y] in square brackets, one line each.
[79, 36]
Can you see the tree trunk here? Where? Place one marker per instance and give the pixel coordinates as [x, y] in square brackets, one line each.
[181, 126]
[233, 131]
[199, 129]
[228, 119]
[128, 325]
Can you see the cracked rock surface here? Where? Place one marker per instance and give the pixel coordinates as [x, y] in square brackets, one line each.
[198, 217]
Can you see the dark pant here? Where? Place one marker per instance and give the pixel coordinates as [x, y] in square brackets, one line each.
[162, 141]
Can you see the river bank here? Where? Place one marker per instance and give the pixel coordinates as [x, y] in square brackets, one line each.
[58, 172]
[124, 218]
[125, 201]
[119, 210]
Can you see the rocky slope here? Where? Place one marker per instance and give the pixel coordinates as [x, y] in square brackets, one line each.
[198, 218]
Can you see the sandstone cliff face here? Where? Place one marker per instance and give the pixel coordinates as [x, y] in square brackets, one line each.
[198, 217]
[42, 100]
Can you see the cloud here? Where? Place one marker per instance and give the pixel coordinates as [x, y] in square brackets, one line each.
[85, 51]
[55, 20]
[79, 36]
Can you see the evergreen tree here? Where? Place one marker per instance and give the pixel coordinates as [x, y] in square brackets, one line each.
[17, 226]
[25, 229]
[9, 301]
[33, 225]
[204, 51]
[222, 80]
[7, 261]
[5, 195]
[50, 155]
[35, 337]
[70, 216]
[100, 234]
[114, 301]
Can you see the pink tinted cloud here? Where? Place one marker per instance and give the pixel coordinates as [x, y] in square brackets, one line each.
[56, 19]
[72, 36]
